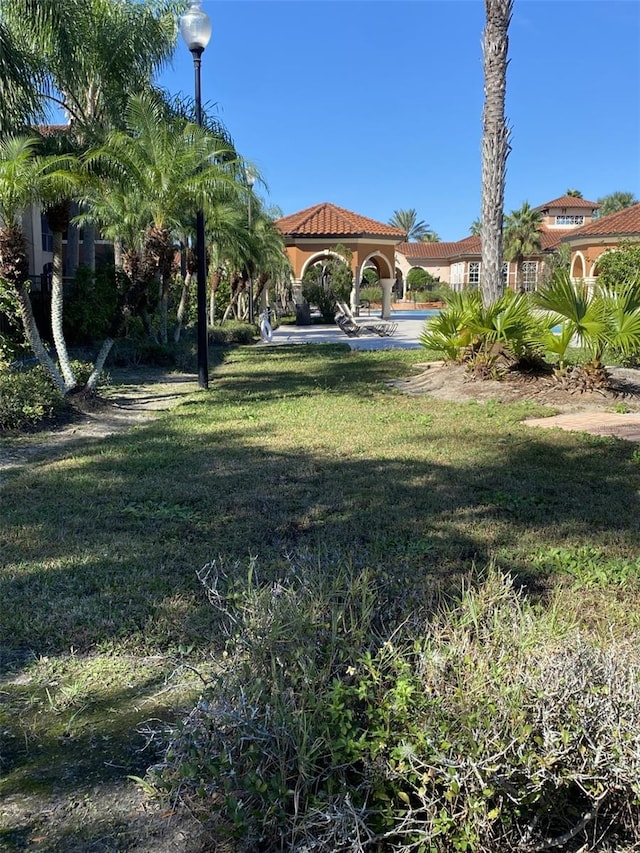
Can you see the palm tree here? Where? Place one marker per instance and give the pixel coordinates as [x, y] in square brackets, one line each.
[475, 228]
[574, 193]
[407, 221]
[93, 55]
[20, 93]
[430, 237]
[22, 176]
[614, 202]
[164, 168]
[495, 144]
[522, 236]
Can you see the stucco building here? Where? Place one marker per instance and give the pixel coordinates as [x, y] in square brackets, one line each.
[459, 264]
[589, 243]
[313, 233]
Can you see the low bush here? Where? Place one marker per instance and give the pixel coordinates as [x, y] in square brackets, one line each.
[132, 352]
[371, 293]
[490, 339]
[27, 397]
[488, 728]
[233, 332]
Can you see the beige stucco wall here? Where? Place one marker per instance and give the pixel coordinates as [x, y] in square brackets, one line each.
[438, 268]
[550, 220]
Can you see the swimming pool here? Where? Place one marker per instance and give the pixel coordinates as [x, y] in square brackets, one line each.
[418, 314]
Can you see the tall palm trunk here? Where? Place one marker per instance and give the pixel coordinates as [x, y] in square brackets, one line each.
[495, 145]
[216, 278]
[14, 268]
[159, 252]
[183, 305]
[58, 216]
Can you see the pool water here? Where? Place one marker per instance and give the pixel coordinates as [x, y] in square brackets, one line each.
[422, 314]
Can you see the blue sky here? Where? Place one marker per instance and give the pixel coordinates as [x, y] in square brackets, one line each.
[376, 106]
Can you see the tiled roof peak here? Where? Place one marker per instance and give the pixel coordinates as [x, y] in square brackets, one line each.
[329, 220]
[568, 201]
[622, 223]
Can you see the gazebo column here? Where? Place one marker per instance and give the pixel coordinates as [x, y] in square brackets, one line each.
[386, 284]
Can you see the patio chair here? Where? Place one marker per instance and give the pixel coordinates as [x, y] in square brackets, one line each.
[348, 326]
[381, 327]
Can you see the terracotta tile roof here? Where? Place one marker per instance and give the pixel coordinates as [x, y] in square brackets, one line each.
[328, 220]
[623, 223]
[568, 201]
[549, 240]
[467, 246]
[51, 129]
[428, 250]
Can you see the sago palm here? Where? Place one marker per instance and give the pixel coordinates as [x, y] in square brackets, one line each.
[581, 314]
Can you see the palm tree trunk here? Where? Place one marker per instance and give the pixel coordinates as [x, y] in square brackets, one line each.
[182, 307]
[118, 253]
[98, 367]
[495, 145]
[35, 341]
[215, 281]
[57, 302]
[73, 245]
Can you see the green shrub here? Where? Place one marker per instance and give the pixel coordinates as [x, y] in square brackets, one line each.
[490, 339]
[27, 398]
[371, 294]
[370, 277]
[324, 283]
[488, 729]
[233, 332]
[91, 306]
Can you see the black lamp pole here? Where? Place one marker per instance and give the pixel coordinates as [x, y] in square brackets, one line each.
[250, 177]
[196, 31]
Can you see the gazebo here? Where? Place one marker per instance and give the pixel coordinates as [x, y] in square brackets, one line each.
[314, 233]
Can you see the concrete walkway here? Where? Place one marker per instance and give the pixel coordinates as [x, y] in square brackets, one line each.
[406, 336]
[625, 426]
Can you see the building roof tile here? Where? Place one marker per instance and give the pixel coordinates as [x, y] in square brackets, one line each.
[549, 240]
[568, 201]
[328, 220]
[623, 223]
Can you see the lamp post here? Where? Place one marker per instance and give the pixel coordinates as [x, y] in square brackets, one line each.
[195, 27]
[250, 177]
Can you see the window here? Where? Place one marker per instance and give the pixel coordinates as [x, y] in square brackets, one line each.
[529, 275]
[47, 234]
[474, 272]
[569, 220]
[457, 273]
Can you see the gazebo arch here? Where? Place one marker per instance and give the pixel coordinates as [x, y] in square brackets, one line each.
[312, 233]
[320, 256]
[379, 260]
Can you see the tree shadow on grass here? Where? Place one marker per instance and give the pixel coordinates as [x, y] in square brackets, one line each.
[115, 559]
[99, 549]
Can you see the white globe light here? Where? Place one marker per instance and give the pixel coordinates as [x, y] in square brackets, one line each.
[195, 26]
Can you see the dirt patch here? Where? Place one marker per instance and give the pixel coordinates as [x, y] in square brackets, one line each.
[134, 397]
[454, 383]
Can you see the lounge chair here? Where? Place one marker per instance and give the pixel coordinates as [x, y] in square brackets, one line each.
[380, 327]
[348, 326]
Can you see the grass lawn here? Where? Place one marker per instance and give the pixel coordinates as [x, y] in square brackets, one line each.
[303, 452]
